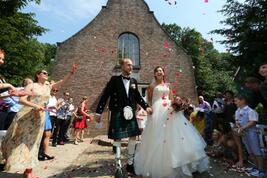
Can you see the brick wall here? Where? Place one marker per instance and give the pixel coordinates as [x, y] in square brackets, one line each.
[94, 49]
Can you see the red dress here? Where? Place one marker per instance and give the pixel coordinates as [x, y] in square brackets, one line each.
[80, 123]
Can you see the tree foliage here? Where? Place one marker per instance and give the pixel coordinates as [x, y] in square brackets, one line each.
[18, 33]
[213, 70]
[245, 29]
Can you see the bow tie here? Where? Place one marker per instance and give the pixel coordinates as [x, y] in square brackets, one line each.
[126, 78]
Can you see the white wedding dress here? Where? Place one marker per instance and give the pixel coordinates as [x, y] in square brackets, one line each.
[171, 147]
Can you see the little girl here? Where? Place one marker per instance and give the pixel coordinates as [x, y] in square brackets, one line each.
[246, 119]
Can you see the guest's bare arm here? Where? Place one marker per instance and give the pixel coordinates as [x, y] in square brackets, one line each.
[24, 99]
[58, 84]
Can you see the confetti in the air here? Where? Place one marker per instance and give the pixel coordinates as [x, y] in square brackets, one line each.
[171, 2]
[166, 45]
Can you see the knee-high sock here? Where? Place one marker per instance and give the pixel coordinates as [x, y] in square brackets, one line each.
[131, 151]
[118, 154]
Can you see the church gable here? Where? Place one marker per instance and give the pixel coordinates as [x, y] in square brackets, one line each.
[96, 50]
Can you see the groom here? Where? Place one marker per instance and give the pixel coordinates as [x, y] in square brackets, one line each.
[124, 96]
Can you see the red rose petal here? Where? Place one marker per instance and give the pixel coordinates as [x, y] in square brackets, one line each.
[166, 44]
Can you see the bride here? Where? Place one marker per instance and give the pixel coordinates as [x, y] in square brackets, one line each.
[171, 147]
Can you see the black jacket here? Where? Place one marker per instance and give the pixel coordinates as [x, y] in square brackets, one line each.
[115, 91]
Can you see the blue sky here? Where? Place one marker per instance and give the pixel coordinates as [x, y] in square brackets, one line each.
[64, 18]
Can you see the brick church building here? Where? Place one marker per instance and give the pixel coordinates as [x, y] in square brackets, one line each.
[123, 28]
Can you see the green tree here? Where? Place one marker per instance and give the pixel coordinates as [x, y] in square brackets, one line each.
[213, 70]
[18, 33]
[245, 29]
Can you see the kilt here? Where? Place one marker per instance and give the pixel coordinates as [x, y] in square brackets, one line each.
[120, 128]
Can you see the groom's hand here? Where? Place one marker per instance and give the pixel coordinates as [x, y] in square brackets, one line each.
[149, 110]
[98, 118]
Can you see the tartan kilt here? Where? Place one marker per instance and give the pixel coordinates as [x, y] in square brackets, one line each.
[120, 128]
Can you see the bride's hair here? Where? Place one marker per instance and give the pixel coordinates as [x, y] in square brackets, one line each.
[155, 70]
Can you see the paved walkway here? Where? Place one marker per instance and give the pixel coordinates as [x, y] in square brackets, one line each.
[92, 160]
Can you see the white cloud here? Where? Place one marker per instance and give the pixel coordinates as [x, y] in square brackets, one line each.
[69, 9]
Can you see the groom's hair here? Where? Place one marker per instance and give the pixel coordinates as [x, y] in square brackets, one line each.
[122, 61]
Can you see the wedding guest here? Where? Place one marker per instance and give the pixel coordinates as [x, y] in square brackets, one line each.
[49, 116]
[4, 87]
[229, 107]
[13, 104]
[263, 88]
[217, 110]
[251, 90]
[79, 123]
[204, 104]
[197, 118]
[224, 146]
[28, 126]
[67, 124]
[52, 106]
[3, 84]
[246, 119]
[62, 110]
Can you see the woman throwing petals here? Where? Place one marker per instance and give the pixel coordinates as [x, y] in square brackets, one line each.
[21, 144]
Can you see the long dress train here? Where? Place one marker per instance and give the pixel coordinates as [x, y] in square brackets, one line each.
[171, 147]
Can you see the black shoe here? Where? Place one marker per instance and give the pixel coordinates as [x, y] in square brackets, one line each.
[41, 157]
[130, 169]
[118, 173]
[66, 140]
[2, 167]
[54, 144]
[48, 157]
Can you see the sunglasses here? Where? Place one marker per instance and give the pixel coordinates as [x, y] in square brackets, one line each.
[45, 73]
[55, 90]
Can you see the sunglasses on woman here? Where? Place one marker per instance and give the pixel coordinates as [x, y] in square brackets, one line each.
[45, 73]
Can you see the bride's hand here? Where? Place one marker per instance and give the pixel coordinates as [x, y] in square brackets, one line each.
[149, 110]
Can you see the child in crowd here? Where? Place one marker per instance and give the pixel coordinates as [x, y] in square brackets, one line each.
[197, 118]
[225, 146]
[246, 119]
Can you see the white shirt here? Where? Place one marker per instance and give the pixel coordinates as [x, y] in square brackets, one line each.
[52, 103]
[126, 85]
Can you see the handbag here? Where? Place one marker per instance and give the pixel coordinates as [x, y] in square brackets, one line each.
[79, 114]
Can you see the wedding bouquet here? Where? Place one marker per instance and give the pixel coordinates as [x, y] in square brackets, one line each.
[179, 104]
